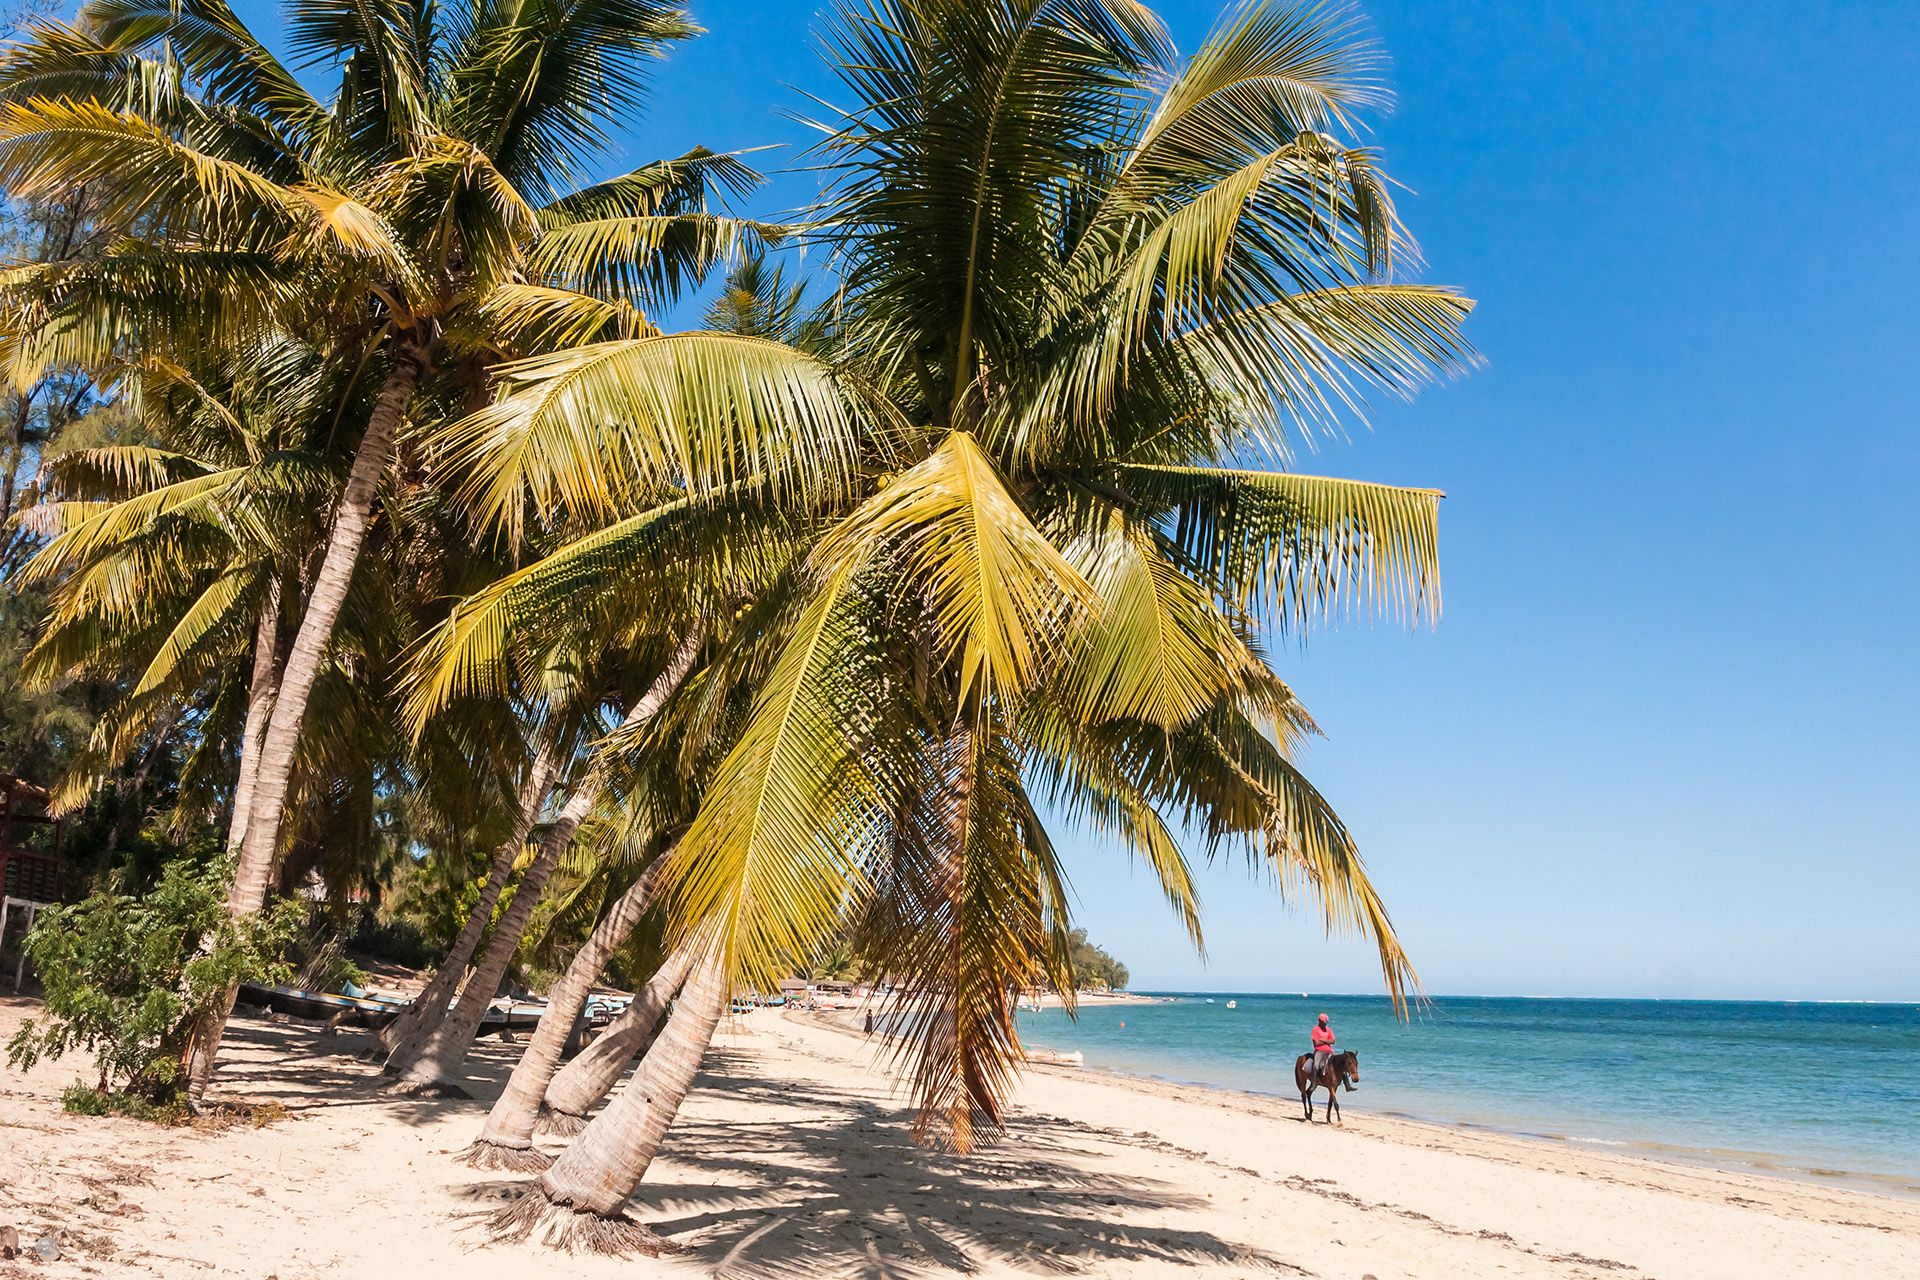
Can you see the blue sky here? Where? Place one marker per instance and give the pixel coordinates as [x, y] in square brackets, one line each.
[1663, 740]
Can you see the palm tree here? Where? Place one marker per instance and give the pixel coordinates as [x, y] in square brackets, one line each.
[418, 226]
[580, 1086]
[430, 1063]
[1089, 296]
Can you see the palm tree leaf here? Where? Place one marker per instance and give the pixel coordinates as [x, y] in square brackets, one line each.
[217, 609]
[135, 169]
[649, 257]
[109, 524]
[1001, 594]
[231, 65]
[586, 430]
[1160, 650]
[543, 318]
[1270, 72]
[1255, 796]
[1086, 784]
[788, 818]
[1302, 548]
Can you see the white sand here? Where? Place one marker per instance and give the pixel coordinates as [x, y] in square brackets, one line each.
[792, 1159]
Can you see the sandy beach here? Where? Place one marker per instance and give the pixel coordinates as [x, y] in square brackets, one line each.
[792, 1159]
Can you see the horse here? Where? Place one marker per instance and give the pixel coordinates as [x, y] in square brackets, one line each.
[1341, 1068]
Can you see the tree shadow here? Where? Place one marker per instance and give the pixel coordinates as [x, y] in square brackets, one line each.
[300, 1066]
[827, 1184]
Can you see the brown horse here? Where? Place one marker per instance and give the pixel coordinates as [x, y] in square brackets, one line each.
[1341, 1068]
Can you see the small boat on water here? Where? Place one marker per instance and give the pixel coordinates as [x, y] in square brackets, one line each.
[1233, 1004]
[1209, 999]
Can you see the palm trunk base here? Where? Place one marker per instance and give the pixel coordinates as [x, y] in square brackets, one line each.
[561, 1124]
[495, 1155]
[563, 1227]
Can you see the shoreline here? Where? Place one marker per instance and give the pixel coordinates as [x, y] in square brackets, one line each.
[1758, 1164]
[794, 1156]
[1732, 1160]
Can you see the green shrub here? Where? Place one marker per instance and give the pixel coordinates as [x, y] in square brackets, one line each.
[127, 977]
[85, 1100]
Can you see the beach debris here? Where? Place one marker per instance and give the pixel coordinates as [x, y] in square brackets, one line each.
[47, 1248]
[9, 1242]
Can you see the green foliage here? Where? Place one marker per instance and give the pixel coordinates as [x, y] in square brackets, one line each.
[85, 1100]
[1094, 968]
[126, 977]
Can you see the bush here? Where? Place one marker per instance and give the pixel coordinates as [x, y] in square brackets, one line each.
[127, 977]
[85, 1100]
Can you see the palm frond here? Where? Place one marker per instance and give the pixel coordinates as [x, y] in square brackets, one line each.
[134, 168]
[1301, 548]
[1160, 650]
[1001, 594]
[782, 838]
[590, 430]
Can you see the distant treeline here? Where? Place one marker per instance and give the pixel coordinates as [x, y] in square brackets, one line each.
[1094, 969]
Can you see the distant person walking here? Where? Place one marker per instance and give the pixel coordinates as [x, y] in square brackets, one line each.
[1322, 1045]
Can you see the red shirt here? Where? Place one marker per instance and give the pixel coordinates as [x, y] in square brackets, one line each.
[1322, 1037]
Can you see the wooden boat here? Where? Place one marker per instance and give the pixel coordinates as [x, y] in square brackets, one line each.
[1047, 1058]
[503, 1016]
[506, 1016]
[321, 1006]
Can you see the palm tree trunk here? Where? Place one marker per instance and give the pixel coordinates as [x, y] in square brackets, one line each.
[260, 691]
[506, 1142]
[434, 1066]
[431, 1062]
[428, 1010]
[588, 1186]
[260, 841]
[579, 1086]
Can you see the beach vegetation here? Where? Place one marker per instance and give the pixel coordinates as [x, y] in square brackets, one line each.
[491, 612]
[127, 977]
[1090, 297]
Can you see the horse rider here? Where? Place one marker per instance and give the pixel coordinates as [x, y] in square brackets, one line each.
[1322, 1045]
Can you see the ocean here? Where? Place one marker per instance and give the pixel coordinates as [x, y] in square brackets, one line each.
[1827, 1090]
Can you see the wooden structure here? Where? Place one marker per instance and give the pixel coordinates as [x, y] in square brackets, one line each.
[29, 878]
[27, 873]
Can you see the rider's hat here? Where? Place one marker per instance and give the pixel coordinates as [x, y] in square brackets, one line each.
[1323, 1017]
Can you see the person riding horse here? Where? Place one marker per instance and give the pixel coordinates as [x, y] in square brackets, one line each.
[1325, 1069]
[1322, 1044]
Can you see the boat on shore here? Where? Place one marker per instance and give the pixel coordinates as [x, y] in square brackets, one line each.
[321, 1006]
[1049, 1058]
[503, 1016]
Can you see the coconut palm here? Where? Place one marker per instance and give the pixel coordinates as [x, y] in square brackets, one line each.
[431, 1062]
[423, 222]
[1090, 297]
[583, 1083]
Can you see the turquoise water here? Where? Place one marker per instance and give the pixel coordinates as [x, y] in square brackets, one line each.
[1811, 1088]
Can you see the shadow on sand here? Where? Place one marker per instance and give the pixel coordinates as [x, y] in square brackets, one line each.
[299, 1066]
[809, 1181]
[832, 1185]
